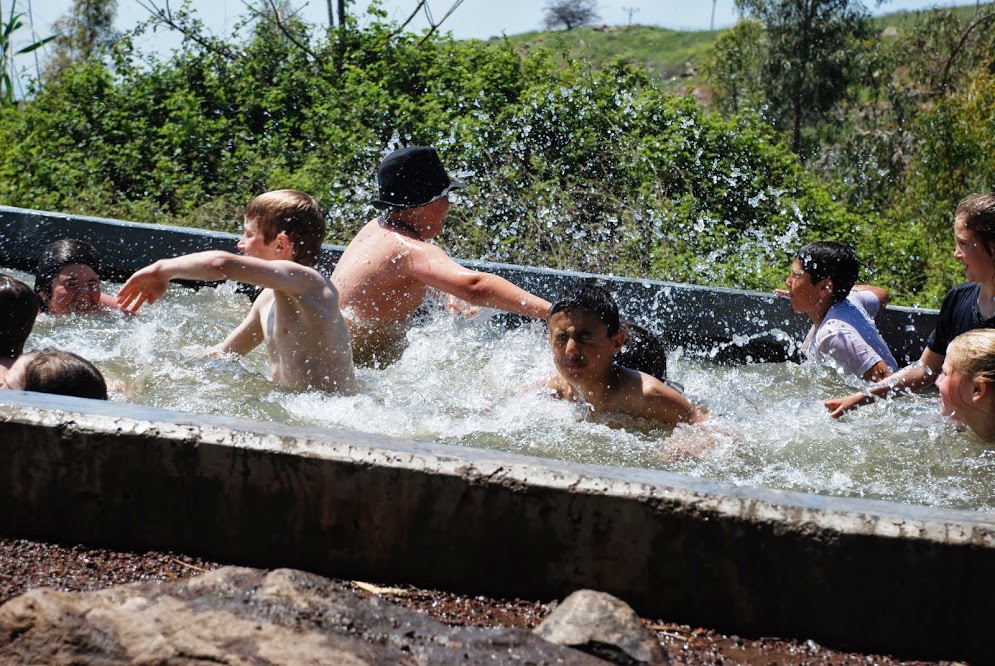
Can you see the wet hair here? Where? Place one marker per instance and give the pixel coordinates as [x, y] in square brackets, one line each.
[978, 214]
[592, 298]
[829, 259]
[57, 256]
[973, 354]
[64, 373]
[642, 350]
[20, 307]
[294, 213]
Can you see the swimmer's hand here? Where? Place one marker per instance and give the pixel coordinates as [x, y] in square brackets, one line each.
[146, 285]
[839, 406]
[782, 293]
[457, 306]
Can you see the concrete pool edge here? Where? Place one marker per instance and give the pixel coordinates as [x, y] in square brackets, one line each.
[856, 574]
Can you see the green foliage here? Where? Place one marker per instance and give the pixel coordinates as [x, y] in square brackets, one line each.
[734, 67]
[811, 45]
[87, 31]
[572, 165]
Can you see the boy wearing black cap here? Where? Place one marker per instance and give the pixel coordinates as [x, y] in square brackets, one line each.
[384, 273]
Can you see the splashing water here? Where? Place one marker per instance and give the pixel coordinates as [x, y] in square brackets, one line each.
[474, 383]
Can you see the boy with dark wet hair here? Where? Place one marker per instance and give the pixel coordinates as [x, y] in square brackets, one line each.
[389, 266]
[296, 314]
[58, 372]
[585, 334]
[20, 307]
[821, 285]
[67, 279]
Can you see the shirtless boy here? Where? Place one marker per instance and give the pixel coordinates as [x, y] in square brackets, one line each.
[296, 315]
[585, 335]
[386, 270]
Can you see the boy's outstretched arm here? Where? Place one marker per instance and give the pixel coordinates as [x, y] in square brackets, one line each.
[148, 284]
[432, 266]
[912, 377]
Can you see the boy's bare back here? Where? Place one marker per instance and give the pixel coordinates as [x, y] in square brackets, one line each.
[384, 273]
[378, 289]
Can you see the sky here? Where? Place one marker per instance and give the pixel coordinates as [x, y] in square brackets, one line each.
[472, 19]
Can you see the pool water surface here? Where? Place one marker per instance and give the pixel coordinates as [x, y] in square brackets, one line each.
[474, 382]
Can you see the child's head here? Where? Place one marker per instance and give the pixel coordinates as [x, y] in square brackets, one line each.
[829, 259]
[412, 177]
[20, 307]
[977, 213]
[584, 332]
[965, 381]
[293, 213]
[58, 372]
[67, 278]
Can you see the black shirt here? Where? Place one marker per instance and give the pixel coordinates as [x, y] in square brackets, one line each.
[959, 313]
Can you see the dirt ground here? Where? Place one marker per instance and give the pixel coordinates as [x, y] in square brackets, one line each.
[28, 564]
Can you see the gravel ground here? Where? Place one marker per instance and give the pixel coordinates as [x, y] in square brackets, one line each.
[28, 564]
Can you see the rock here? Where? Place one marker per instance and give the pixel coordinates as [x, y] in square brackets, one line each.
[601, 625]
[247, 616]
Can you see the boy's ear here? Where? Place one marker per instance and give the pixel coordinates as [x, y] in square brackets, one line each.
[284, 246]
[619, 339]
[980, 390]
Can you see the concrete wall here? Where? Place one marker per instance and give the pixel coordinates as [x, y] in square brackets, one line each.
[725, 324]
[853, 574]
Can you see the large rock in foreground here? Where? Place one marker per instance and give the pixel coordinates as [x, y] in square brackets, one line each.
[246, 616]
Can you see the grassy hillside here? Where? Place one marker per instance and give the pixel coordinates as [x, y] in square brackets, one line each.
[661, 51]
[673, 55]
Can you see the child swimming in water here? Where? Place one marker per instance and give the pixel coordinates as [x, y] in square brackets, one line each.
[965, 382]
[297, 314]
[387, 269]
[56, 371]
[965, 307]
[585, 334]
[67, 279]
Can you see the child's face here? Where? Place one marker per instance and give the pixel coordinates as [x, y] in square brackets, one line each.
[806, 297]
[75, 290]
[970, 252]
[581, 345]
[252, 244]
[955, 391]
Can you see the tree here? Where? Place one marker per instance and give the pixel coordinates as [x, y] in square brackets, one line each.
[87, 31]
[569, 13]
[812, 46]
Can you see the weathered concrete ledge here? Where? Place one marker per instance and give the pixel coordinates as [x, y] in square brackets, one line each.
[854, 574]
[729, 325]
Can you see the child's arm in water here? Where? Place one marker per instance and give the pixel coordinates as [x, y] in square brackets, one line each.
[910, 378]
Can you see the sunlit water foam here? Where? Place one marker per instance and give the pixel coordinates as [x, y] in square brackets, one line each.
[474, 383]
